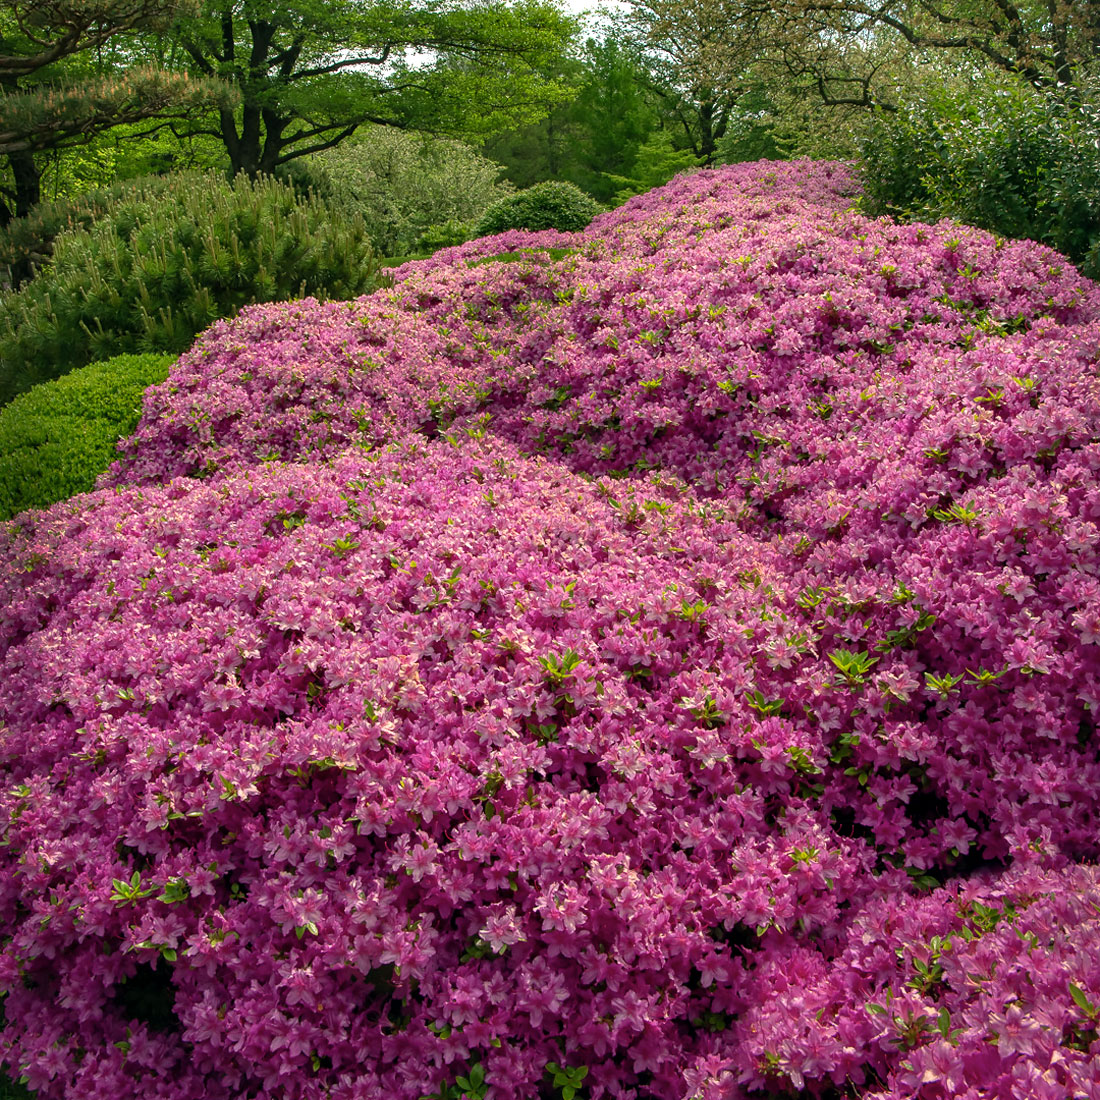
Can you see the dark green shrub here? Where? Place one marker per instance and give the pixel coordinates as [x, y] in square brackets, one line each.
[161, 267]
[26, 244]
[1007, 159]
[59, 437]
[551, 205]
[11, 1090]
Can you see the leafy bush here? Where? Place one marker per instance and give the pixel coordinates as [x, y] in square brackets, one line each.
[1011, 160]
[411, 189]
[675, 660]
[551, 205]
[59, 437]
[166, 263]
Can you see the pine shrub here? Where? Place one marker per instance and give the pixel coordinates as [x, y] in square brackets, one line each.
[26, 244]
[554, 204]
[160, 267]
[59, 437]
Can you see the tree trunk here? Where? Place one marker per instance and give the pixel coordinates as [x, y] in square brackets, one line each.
[706, 129]
[28, 182]
[26, 193]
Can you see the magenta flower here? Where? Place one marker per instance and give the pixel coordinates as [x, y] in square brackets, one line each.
[674, 660]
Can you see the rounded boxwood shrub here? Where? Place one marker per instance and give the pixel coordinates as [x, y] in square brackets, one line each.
[550, 205]
[165, 263]
[665, 671]
[57, 438]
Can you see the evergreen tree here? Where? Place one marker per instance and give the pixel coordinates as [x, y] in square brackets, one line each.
[44, 106]
[594, 139]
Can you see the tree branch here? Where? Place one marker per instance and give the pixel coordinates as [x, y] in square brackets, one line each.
[336, 66]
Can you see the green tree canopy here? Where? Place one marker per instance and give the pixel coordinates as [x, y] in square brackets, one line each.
[309, 72]
[37, 33]
[1050, 43]
[857, 52]
[593, 140]
[70, 111]
[698, 59]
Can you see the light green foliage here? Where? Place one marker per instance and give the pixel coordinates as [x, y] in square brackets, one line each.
[566, 1078]
[309, 72]
[751, 130]
[657, 161]
[123, 153]
[159, 268]
[1005, 157]
[550, 205]
[413, 191]
[58, 438]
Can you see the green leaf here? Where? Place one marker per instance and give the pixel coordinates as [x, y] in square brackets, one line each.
[1080, 999]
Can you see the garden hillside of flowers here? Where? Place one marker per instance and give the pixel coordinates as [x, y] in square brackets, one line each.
[658, 662]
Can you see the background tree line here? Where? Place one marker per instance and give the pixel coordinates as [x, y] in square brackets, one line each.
[164, 162]
[92, 91]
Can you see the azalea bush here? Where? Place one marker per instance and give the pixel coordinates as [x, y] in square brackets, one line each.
[658, 661]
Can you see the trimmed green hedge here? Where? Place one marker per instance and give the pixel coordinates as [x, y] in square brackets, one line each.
[59, 437]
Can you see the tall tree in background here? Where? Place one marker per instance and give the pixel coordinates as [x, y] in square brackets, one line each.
[1050, 43]
[592, 140]
[616, 113]
[308, 72]
[42, 105]
[857, 52]
[547, 148]
[699, 56]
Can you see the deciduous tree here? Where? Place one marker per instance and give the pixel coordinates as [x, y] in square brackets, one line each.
[699, 59]
[309, 72]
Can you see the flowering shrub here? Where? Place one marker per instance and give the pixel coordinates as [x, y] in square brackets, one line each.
[656, 662]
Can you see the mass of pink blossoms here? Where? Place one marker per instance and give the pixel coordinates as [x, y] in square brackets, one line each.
[670, 650]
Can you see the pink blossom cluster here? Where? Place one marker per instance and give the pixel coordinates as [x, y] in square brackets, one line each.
[677, 660]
